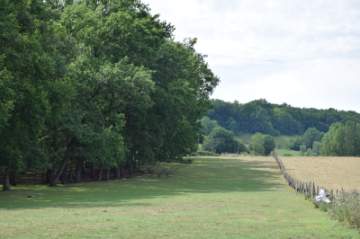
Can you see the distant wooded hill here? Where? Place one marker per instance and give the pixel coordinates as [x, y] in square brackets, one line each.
[262, 116]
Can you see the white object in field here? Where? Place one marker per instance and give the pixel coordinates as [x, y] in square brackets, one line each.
[322, 197]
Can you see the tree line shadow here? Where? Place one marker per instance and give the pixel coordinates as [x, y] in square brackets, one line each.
[203, 176]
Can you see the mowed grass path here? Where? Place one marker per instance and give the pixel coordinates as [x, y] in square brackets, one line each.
[216, 198]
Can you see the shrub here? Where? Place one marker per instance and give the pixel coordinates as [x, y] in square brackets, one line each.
[221, 140]
[262, 144]
[310, 136]
[296, 143]
[347, 209]
[316, 148]
[303, 149]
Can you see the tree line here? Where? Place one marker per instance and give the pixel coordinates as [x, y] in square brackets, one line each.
[264, 117]
[317, 132]
[219, 140]
[342, 139]
[94, 89]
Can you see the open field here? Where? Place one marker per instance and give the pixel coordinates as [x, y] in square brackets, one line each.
[218, 198]
[329, 172]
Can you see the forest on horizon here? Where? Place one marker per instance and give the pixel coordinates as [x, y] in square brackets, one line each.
[259, 127]
[275, 119]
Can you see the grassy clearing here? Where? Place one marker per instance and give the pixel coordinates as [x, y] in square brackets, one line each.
[288, 152]
[218, 198]
[330, 172]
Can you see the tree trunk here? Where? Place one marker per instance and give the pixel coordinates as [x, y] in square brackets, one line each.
[6, 183]
[93, 173]
[13, 178]
[79, 166]
[54, 179]
[48, 176]
[100, 174]
[64, 176]
[118, 172]
[108, 174]
[130, 167]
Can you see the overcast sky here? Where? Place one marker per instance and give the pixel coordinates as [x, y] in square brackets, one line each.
[302, 52]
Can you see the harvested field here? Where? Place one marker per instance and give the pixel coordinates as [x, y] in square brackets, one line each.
[329, 172]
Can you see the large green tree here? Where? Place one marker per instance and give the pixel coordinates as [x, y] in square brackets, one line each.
[310, 136]
[343, 139]
[33, 66]
[95, 86]
[221, 140]
[262, 144]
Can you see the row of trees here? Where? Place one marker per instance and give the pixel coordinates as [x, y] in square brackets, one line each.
[342, 139]
[261, 116]
[309, 143]
[220, 140]
[95, 86]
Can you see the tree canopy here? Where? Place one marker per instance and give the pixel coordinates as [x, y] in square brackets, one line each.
[221, 140]
[264, 117]
[343, 139]
[95, 87]
[262, 144]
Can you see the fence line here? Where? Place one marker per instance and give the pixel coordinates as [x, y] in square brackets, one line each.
[309, 189]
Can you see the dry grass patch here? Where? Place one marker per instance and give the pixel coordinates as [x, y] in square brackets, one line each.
[329, 172]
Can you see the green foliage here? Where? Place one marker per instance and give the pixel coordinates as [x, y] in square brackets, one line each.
[296, 143]
[316, 148]
[262, 144]
[6, 96]
[347, 209]
[32, 68]
[303, 149]
[308, 143]
[310, 136]
[261, 116]
[269, 144]
[284, 141]
[343, 139]
[221, 140]
[96, 84]
[208, 125]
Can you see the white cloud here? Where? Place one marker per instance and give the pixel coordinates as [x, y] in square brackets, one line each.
[302, 52]
[318, 83]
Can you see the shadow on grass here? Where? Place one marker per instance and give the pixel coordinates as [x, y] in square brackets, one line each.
[203, 176]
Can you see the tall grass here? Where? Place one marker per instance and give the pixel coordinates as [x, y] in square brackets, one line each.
[346, 208]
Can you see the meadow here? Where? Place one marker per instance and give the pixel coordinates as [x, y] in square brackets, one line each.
[330, 172]
[218, 197]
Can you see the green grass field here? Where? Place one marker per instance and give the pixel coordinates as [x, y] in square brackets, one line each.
[216, 198]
